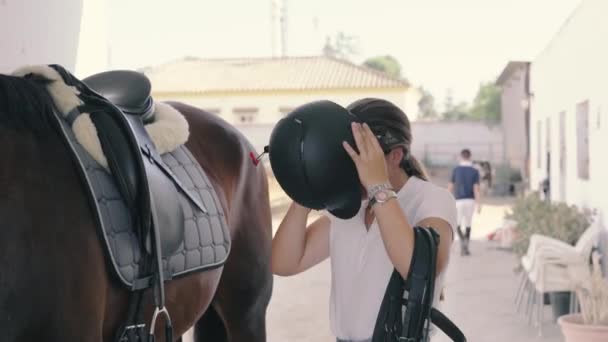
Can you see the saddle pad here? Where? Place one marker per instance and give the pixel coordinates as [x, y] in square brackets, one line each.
[206, 242]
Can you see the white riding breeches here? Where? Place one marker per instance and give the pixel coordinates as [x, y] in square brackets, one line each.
[464, 211]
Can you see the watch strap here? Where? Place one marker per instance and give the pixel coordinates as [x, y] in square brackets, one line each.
[374, 189]
[374, 200]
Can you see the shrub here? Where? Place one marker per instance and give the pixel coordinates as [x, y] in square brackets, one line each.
[557, 220]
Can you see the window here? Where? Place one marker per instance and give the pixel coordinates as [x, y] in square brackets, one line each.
[245, 115]
[539, 144]
[582, 139]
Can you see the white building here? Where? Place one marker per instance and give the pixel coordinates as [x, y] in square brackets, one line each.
[39, 32]
[569, 111]
[262, 90]
[514, 83]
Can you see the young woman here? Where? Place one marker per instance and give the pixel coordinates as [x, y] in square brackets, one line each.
[364, 250]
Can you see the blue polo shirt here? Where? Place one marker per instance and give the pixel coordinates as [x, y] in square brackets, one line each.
[464, 177]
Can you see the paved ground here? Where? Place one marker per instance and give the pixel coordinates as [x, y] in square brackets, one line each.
[479, 293]
[479, 298]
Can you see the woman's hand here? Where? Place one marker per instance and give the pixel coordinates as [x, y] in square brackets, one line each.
[370, 161]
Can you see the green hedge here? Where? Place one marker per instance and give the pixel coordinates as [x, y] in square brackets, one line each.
[554, 219]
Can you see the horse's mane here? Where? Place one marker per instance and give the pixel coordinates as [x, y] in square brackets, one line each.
[25, 104]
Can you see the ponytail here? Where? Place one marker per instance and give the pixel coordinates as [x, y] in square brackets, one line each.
[413, 167]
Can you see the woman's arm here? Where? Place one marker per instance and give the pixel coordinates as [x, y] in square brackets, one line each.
[398, 236]
[295, 247]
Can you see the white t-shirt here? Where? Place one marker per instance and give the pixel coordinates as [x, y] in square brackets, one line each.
[360, 265]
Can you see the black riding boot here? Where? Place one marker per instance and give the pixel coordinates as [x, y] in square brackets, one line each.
[467, 239]
[461, 237]
[460, 234]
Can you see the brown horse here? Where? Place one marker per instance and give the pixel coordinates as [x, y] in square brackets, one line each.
[54, 281]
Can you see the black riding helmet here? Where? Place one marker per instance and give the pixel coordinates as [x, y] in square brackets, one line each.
[309, 161]
[389, 132]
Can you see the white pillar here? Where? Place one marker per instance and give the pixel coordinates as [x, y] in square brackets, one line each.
[39, 32]
[93, 54]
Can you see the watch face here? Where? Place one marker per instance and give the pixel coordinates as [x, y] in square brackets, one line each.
[382, 196]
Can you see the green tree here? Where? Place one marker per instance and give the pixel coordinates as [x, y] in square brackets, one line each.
[456, 112]
[452, 111]
[426, 105]
[387, 64]
[486, 106]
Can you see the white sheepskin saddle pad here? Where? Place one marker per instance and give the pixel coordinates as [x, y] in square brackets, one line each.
[168, 131]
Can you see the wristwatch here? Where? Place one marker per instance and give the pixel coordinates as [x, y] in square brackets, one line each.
[381, 193]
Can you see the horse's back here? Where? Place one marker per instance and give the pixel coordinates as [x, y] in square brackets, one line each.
[222, 151]
[246, 284]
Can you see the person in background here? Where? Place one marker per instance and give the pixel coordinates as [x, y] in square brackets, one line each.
[464, 184]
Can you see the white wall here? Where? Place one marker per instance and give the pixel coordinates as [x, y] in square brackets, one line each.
[411, 103]
[269, 104]
[38, 32]
[441, 142]
[513, 119]
[573, 68]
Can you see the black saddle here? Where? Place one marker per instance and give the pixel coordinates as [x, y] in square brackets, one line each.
[150, 194]
[128, 90]
[118, 102]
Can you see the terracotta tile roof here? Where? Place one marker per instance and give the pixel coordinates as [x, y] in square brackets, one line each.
[194, 75]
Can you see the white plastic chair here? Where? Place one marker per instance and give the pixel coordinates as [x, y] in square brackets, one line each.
[583, 246]
[546, 268]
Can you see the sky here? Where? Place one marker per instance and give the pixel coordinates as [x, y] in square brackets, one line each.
[441, 44]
